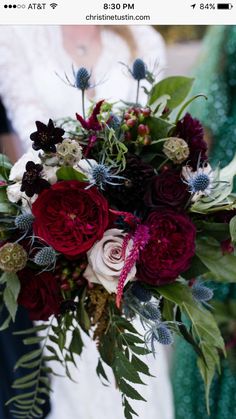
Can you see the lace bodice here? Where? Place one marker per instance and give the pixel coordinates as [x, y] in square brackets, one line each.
[31, 56]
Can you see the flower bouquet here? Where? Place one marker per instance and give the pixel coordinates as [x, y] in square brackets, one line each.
[114, 215]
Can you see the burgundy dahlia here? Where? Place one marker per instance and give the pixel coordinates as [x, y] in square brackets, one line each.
[170, 248]
[167, 189]
[191, 130]
[129, 195]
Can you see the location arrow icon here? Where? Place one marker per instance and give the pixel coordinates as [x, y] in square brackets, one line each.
[193, 5]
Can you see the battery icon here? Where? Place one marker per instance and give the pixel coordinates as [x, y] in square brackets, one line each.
[224, 6]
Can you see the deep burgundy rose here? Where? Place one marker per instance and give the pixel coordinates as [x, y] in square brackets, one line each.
[39, 294]
[69, 217]
[191, 130]
[170, 248]
[167, 189]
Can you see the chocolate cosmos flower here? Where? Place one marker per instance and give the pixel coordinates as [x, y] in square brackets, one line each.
[32, 183]
[46, 136]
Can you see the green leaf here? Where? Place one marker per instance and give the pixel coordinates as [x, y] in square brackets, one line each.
[140, 350]
[33, 340]
[232, 229]
[128, 411]
[177, 87]
[26, 378]
[100, 371]
[159, 129]
[131, 339]
[10, 302]
[123, 368]
[204, 329]
[68, 173]
[32, 330]
[222, 266]
[140, 366]
[25, 385]
[83, 317]
[129, 391]
[5, 324]
[28, 357]
[76, 344]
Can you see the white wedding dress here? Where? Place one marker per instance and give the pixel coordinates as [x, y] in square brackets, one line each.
[30, 57]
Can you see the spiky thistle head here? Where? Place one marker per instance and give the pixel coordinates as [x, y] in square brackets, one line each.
[151, 312]
[24, 221]
[201, 293]
[139, 69]
[143, 294]
[45, 257]
[83, 79]
[164, 335]
[199, 183]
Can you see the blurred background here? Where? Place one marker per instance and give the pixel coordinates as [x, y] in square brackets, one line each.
[181, 42]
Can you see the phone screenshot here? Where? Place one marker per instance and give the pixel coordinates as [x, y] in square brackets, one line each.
[118, 209]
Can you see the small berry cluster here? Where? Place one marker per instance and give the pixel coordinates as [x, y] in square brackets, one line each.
[135, 125]
[69, 274]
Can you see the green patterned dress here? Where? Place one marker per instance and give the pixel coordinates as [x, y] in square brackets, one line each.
[216, 77]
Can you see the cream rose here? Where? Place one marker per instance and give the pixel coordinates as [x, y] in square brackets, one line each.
[106, 261]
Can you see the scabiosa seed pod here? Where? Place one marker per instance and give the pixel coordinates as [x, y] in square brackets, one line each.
[45, 257]
[13, 257]
[69, 152]
[151, 312]
[176, 150]
[24, 221]
[141, 293]
[202, 293]
[164, 335]
[139, 69]
[82, 79]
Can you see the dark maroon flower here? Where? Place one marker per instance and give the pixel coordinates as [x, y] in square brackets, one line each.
[39, 294]
[167, 189]
[191, 130]
[32, 183]
[170, 248]
[129, 195]
[46, 136]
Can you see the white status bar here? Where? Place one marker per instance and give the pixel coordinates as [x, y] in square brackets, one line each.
[133, 12]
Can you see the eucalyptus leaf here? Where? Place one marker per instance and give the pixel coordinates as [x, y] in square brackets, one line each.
[76, 344]
[129, 391]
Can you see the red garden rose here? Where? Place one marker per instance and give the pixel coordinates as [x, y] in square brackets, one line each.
[69, 217]
[39, 294]
[167, 189]
[170, 248]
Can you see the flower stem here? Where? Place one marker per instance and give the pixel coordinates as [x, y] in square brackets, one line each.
[83, 106]
[137, 95]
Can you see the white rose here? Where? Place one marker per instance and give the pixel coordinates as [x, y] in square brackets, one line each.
[106, 261]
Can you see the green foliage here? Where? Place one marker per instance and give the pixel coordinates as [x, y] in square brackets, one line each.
[68, 173]
[222, 267]
[6, 207]
[176, 87]
[11, 292]
[119, 348]
[5, 167]
[232, 229]
[204, 330]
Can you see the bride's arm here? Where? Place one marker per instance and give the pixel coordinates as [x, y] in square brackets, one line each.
[16, 87]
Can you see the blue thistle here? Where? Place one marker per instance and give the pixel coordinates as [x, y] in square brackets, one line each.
[164, 335]
[199, 183]
[140, 292]
[139, 69]
[114, 122]
[101, 175]
[82, 79]
[24, 221]
[201, 293]
[151, 312]
[45, 257]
